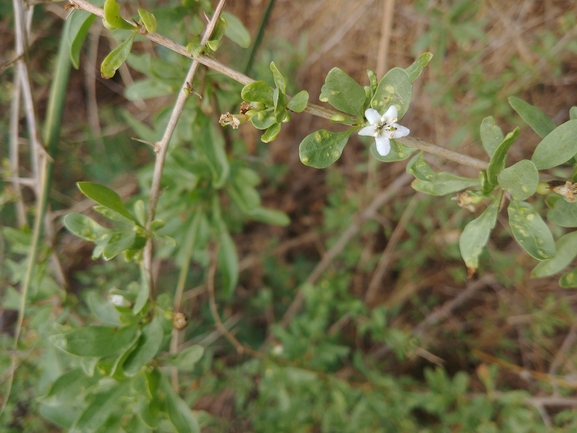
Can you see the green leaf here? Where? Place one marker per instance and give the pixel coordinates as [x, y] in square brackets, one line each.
[322, 148]
[445, 183]
[211, 146]
[420, 168]
[396, 89]
[299, 101]
[417, 67]
[563, 213]
[530, 231]
[80, 23]
[399, 152]
[236, 31]
[118, 242]
[243, 195]
[535, 118]
[146, 89]
[143, 293]
[116, 58]
[520, 180]
[149, 20]
[100, 408]
[63, 415]
[98, 340]
[476, 234]
[566, 247]
[343, 93]
[270, 216]
[278, 78]
[105, 197]
[187, 359]
[271, 133]
[573, 113]
[569, 279]
[178, 411]
[258, 91]
[227, 261]
[70, 385]
[263, 119]
[499, 157]
[147, 346]
[113, 18]
[558, 147]
[103, 309]
[491, 135]
[84, 227]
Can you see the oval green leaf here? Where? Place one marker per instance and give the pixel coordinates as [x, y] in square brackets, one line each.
[530, 231]
[491, 135]
[394, 89]
[418, 65]
[236, 31]
[105, 197]
[520, 180]
[420, 168]
[147, 346]
[149, 20]
[343, 93]
[566, 247]
[227, 261]
[563, 213]
[445, 183]
[271, 133]
[113, 18]
[476, 234]
[84, 227]
[258, 91]
[187, 359]
[299, 101]
[99, 340]
[322, 148]
[278, 78]
[569, 279]
[116, 58]
[80, 23]
[270, 216]
[535, 118]
[558, 147]
[499, 157]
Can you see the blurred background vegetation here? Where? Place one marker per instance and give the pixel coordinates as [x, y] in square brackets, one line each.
[391, 336]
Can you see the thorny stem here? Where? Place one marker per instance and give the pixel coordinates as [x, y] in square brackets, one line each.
[162, 145]
[313, 109]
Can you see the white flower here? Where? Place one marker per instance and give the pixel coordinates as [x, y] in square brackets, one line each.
[383, 128]
[117, 300]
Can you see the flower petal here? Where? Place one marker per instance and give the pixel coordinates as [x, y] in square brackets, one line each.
[400, 131]
[369, 131]
[372, 116]
[391, 115]
[383, 145]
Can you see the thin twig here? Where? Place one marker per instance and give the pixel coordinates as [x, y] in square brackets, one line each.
[240, 348]
[523, 372]
[390, 248]
[340, 30]
[443, 312]
[382, 54]
[163, 144]
[315, 110]
[188, 248]
[562, 353]
[341, 243]
[14, 155]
